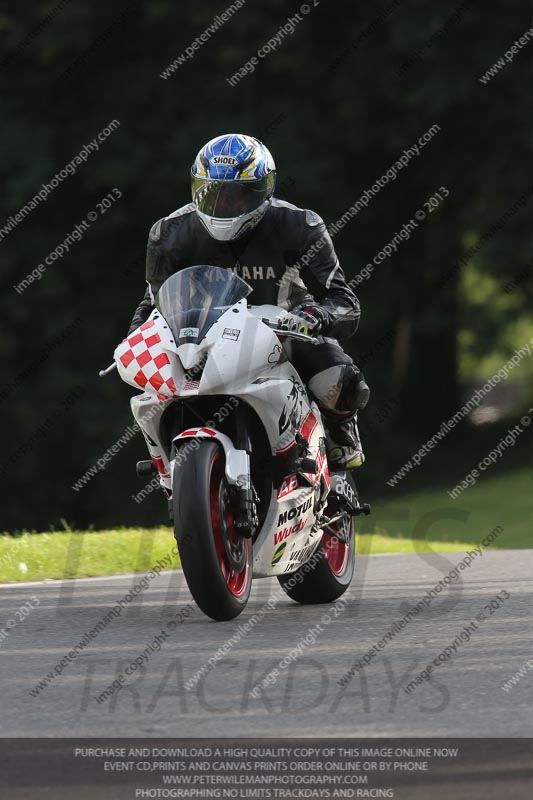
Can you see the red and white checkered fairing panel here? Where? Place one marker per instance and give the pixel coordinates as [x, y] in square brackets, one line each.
[145, 363]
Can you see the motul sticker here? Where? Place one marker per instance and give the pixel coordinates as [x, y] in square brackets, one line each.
[186, 332]
[231, 333]
[297, 511]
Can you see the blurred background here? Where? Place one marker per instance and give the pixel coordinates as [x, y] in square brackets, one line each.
[338, 101]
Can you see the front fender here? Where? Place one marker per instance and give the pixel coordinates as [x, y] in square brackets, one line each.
[237, 461]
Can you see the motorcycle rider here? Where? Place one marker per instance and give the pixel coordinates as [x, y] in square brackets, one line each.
[286, 255]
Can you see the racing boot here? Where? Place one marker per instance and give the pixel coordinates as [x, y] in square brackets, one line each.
[342, 441]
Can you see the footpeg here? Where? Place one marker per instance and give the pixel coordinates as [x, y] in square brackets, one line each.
[326, 525]
[146, 468]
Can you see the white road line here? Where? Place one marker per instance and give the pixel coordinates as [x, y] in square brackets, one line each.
[55, 581]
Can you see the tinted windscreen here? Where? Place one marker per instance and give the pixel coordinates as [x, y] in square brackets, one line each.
[194, 298]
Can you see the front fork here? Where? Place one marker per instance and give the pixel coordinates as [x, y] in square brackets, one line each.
[241, 492]
[147, 413]
[246, 520]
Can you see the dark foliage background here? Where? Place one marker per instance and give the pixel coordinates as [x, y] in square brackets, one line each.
[331, 105]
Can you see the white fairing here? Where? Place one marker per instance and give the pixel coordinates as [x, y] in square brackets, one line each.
[189, 355]
[244, 360]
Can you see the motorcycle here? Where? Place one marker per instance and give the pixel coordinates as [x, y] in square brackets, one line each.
[238, 444]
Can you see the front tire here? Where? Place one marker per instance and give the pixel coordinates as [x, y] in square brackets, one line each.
[331, 573]
[216, 562]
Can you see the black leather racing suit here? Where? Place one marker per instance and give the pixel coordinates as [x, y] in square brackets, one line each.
[288, 259]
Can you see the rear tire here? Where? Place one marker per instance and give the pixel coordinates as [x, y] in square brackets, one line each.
[331, 574]
[216, 562]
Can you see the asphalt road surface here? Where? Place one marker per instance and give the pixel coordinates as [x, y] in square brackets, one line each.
[463, 696]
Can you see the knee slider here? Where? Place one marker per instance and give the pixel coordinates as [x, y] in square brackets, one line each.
[354, 391]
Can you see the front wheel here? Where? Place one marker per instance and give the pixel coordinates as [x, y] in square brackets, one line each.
[329, 571]
[216, 561]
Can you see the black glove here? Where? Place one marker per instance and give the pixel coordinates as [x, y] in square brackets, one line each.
[314, 315]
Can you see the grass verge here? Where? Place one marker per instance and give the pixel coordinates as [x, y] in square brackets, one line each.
[424, 517]
[415, 522]
[78, 554]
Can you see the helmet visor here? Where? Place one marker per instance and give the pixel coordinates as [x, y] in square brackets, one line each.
[227, 199]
